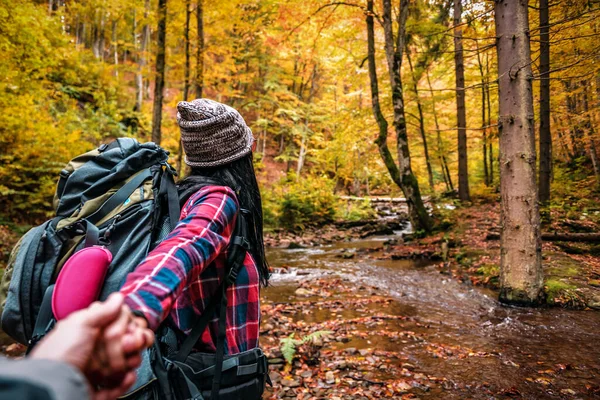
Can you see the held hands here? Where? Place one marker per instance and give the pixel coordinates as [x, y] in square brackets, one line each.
[104, 342]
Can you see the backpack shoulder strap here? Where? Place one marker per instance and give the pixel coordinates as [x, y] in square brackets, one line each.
[238, 246]
[192, 184]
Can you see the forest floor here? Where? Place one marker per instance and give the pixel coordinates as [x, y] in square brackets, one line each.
[371, 348]
[377, 346]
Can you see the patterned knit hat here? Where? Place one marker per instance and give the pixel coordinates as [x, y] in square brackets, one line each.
[212, 133]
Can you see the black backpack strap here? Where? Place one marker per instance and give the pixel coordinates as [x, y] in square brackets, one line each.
[192, 184]
[220, 344]
[168, 191]
[44, 320]
[238, 246]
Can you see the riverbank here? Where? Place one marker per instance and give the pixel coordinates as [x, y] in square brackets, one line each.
[469, 250]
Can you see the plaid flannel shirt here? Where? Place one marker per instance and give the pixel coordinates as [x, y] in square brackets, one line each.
[183, 272]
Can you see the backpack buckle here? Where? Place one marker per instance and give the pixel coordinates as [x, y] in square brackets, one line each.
[242, 242]
[170, 168]
[246, 244]
[232, 277]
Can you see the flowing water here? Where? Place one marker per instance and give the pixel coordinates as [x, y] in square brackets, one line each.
[520, 352]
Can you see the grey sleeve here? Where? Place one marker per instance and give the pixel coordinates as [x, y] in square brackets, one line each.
[61, 380]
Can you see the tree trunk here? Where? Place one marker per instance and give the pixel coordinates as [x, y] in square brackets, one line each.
[393, 51]
[489, 124]
[521, 275]
[148, 46]
[101, 36]
[160, 72]
[461, 114]
[115, 48]
[139, 78]
[440, 144]
[561, 138]
[382, 123]
[421, 120]
[590, 131]
[98, 36]
[302, 151]
[199, 81]
[574, 126]
[304, 142]
[186, 73]
[545, 138]
[484, 128]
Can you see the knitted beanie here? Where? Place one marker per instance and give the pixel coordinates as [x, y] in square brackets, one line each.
[212, 133]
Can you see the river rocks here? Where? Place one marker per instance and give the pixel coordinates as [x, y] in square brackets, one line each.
[291, 383]
[376, 229]
[348, 255]
[568, 392]
[294, 246]
[341, 365]
[303, 292]
[511, 363]
[408, 366]
[275, 377]
[276, 361]
[267, 328]
[306, 374]
[351, 350]
[330, 377]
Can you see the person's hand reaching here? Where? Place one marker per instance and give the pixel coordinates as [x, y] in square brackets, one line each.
[102, 342]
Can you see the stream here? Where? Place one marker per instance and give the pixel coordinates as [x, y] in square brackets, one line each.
[483, 350]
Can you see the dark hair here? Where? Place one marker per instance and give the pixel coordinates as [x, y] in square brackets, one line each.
[240, 176]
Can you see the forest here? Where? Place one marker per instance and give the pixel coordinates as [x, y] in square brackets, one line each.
[429, 172]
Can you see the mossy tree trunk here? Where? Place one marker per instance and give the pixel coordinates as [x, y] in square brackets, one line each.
[402, 173]
[521, 275]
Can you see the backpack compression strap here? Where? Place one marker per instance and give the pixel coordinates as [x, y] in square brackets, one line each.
[238, 247]
[45, 316]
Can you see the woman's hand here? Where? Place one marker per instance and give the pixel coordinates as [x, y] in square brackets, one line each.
[119, 348]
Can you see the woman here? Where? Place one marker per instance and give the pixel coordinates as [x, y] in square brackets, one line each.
[183, 273]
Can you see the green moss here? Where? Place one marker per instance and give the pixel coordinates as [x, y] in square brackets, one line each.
[491, 270]
[563, 271]
[594, 282]
[556, 289]
[520, 297]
